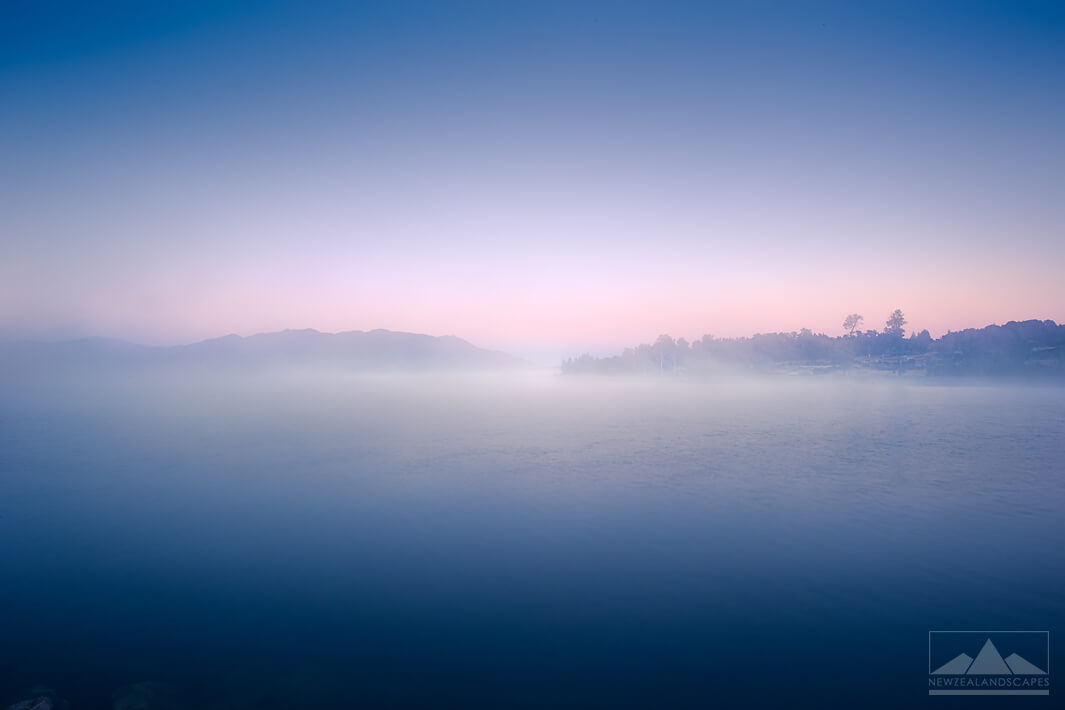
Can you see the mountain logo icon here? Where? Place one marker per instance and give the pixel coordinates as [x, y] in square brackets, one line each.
[970, 663]
[988, 662]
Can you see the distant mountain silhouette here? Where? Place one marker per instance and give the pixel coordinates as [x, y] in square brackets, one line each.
[375, 350]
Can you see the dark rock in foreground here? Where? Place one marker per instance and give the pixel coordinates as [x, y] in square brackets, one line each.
[33, 704]
[40, 699]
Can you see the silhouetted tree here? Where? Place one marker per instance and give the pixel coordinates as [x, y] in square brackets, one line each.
[852, 322]
[894, 324]
[920, 342]
[683, 351]
[665, 352]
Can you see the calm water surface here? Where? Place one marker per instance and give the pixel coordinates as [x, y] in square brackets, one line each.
[309, 541]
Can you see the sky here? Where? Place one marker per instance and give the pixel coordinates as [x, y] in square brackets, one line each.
[543, 178]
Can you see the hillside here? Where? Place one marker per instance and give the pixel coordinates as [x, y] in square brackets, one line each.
[376, 350]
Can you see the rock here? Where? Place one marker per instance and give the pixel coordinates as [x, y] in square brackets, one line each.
[41, 703]
[39, 698]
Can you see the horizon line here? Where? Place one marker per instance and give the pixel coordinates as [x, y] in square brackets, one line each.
[127, 341]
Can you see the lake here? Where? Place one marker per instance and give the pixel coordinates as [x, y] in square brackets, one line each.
[309, 540]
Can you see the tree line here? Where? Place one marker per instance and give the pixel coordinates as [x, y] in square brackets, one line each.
[1032, 347]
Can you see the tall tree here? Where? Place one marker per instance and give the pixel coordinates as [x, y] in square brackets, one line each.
[894, 324]
[852, 322]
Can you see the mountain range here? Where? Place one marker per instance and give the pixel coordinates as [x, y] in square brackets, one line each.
[375, 350]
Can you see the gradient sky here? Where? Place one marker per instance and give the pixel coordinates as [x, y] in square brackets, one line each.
[545, 178]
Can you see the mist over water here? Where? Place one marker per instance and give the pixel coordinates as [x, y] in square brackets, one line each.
[291, 538]
[276, 279]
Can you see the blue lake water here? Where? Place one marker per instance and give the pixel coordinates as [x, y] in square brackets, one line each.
[535, 541]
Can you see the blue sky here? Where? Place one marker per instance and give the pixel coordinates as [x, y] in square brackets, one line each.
[533, 176]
